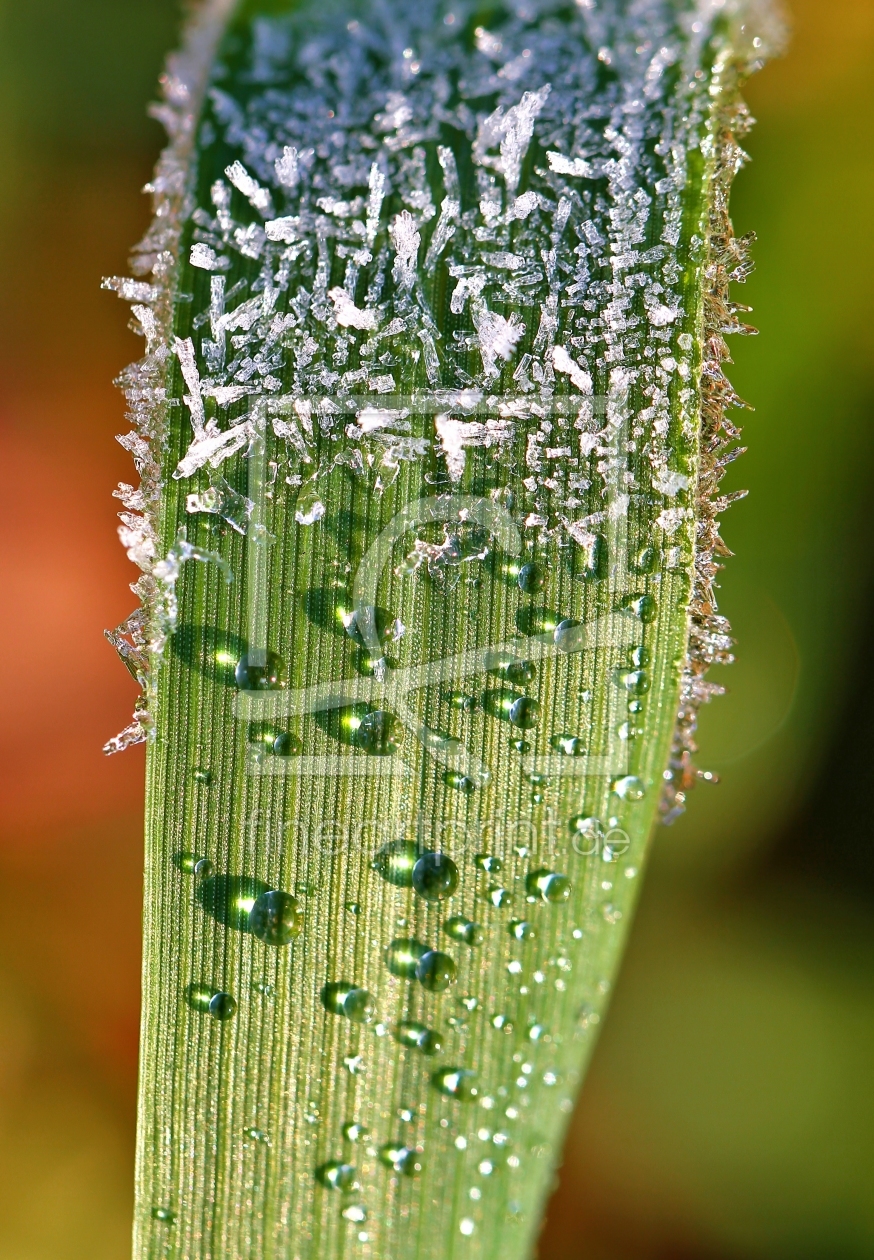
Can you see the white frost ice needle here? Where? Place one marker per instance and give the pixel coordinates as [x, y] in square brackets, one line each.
[348, 315]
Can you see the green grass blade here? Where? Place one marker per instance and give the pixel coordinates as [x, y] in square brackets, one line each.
[434, 302]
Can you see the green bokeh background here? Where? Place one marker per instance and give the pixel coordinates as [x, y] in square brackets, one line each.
[729, 1114]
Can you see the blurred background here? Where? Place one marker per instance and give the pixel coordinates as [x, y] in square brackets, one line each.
[729, 1113]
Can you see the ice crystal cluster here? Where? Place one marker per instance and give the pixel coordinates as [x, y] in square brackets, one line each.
[434, 303]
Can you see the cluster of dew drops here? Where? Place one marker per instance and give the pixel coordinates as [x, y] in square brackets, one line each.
[275, 917]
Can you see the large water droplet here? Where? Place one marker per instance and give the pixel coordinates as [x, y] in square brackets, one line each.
[531, 579]
[456, 1082]
[645, 561]
[335, 1175]
[402, 957]
[524, 713]
[435, 971]
[342, 998]
[400, 1158]
[276, 918]
[395, 862]
[462, 929]
[544, 885]
[416, 1035]
[435, 876]
[569, 745]
[629, 787]
[260, 671]
[379, 733]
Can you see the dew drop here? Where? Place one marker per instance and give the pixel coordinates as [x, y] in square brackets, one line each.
[456, 1082]
[531, 579]
[435, 876]
[520, 746]
[521, 929]
[353, 907]
[524, 713]
[203, 776]
[464, 930]
[645, 561]
[587, 832]
[400, 1159]
[418, 1037]
[461, 700]
[568, 636]
[208, 1000]
[354, 1132]
[164, 1215]
[341, 998]
[629, 787]
[395, 862]
[568, 745]
[257, 1135]
[644, 607]
[335, 1175]
[461, 782]
[260, 671]
[499, 897]
[356, 1212]
[286, 745]
[466, 1226]
[276, 918]
[186, 862]
[520, 673]
[485, 862]
[203, 868]
[402, 957]
[435, 971]
[635, 681]
[640, 655]
[543, 885]
[379, 733]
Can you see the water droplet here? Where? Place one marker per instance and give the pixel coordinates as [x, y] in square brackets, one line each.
[379, 733]
[456, 1082]
[644, 607]
[532, 578]
[210, 1001]
[520, 673]
[164, 1215]
[635, 681]
[629, 787]
[286, 745]
[524, 712]
[464, 930]
[568, 636]
[203, 868]
[469, 1003]
[335, 1175]
[341, 998]
[640, 655]
[186, 862]
[521, 929]
[356, 1212]
[461, 782]
[499, 897]
[411, 1033]
[276, 918]
[402, 957]
[587, 832]
[353, 907]
[535, 1032]
[466, 1226]
[543, 885]
[260, 671]
[435, 876]
[230, 898]
[264, 988]
[400, 1159]
[645, 561]
[435, 971]
[257, 1135]
[203, 776]
[568, 745]
[461, 700]
[354, 1132]
[486, 862]
[520, 746]
[395, 862]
